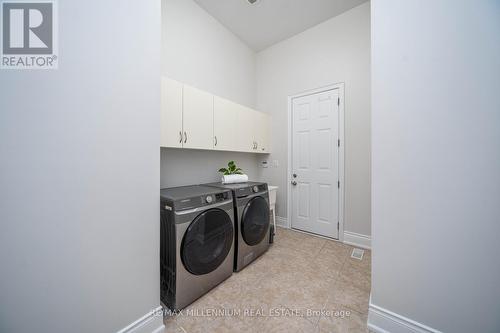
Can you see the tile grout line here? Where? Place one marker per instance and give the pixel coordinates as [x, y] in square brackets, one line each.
[182, 328]
[336, 281]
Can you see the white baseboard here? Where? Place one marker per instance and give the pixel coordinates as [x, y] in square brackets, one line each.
[282, 222]
[350, 238]
[358, 240]
[151, 322]
[381, 320]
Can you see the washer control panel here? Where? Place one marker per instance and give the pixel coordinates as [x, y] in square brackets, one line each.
[177, 198]
[214, 198]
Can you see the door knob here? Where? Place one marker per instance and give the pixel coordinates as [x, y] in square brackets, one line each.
[294, 182]
[294, 175]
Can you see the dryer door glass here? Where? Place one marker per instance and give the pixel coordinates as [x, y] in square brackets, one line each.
[255, 221]
[207, 241]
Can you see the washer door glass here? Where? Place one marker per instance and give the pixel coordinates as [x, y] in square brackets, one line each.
[255, 221]
[207, 241]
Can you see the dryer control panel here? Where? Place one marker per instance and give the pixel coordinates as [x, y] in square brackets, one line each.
[245, 191]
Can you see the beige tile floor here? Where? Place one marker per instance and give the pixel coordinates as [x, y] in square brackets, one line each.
[302, 284]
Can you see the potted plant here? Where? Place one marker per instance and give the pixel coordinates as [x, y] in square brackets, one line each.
[231, 169]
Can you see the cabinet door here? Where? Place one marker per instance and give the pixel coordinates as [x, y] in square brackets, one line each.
[198, 118]
[171, 113]
[245, 129]
[262, 132]
[225, 124]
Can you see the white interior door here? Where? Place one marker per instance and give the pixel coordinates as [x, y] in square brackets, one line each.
[315, 163]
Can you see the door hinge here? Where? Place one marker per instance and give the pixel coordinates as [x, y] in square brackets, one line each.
[338, 101]
[338, 225]
[338, 183]
[338, 143]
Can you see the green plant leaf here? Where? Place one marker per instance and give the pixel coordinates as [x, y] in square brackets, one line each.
[231, 169]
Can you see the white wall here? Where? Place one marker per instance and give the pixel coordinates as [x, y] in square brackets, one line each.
[79, 175]
[436, 162]
[199, 51]
[337, 50]
[187, 166]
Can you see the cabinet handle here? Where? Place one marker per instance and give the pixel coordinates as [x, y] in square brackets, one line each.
[180, 136]
[185, 137]
[216, 140]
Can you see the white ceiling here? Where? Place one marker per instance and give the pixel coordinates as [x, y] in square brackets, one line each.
[269, 21]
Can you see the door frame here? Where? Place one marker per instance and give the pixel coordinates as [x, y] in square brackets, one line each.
[340, 87]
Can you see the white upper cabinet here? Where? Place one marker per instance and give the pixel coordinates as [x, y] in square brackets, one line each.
[192, 118]
[198, 119]
[245, 136]
[254, 134]
[262, 127]
[225, 124]
[171, 113]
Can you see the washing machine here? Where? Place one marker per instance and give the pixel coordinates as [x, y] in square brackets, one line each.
[251, 206]
[196, 242]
